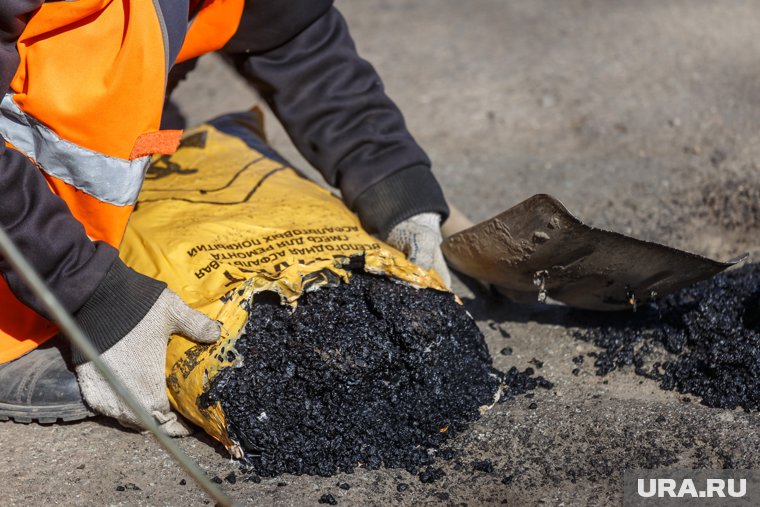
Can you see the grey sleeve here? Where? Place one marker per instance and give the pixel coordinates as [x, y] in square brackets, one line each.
[51, 239]
[335, 109]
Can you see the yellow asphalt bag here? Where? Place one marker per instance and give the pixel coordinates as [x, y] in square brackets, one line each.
[224, 218]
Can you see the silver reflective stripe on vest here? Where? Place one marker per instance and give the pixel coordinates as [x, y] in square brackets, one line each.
[108, 179]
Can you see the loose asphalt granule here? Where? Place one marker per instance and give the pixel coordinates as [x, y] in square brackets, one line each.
[368, 373]
[703, 340]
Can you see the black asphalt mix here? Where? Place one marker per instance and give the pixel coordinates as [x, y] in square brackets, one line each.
[368, 373]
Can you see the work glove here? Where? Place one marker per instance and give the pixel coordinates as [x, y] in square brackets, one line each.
[139, 361]
[419, 237]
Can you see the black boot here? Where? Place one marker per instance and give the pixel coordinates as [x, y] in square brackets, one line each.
[41, 386]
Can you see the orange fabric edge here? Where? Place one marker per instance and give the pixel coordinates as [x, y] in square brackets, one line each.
[20, 320]
[25, 346]
[211, 29]
[161, 142]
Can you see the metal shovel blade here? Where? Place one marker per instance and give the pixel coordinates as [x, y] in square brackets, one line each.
[538, 249]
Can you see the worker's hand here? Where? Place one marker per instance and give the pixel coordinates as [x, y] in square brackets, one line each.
[419, 237]
[139, 361]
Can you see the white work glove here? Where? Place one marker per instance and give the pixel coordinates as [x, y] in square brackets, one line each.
[419, 237]
[139, 361]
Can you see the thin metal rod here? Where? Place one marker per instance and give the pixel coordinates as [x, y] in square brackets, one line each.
[71, 329]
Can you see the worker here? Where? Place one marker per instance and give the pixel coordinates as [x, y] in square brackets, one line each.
[85, 85]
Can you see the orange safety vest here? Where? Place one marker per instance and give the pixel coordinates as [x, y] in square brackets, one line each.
[86, 107]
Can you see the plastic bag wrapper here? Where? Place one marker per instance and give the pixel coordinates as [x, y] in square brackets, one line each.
[224, 218]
